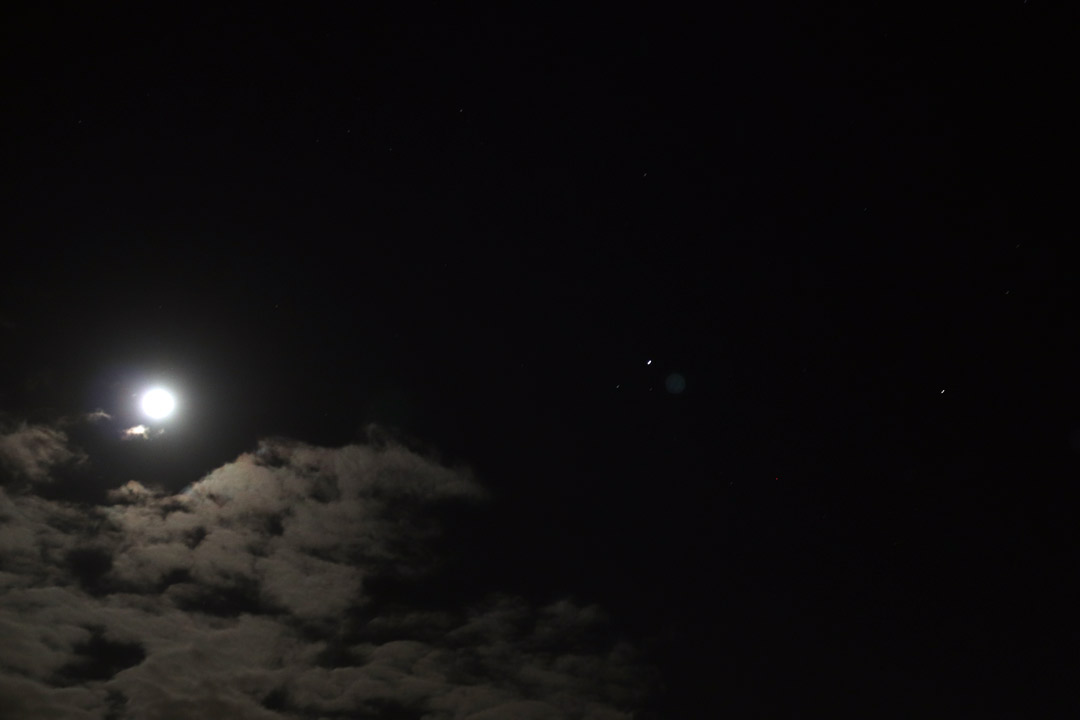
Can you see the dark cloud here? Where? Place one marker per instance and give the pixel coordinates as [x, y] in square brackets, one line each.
[31, 452]
[259, 592]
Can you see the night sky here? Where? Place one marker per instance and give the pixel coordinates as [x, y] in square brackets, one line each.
[597, 366]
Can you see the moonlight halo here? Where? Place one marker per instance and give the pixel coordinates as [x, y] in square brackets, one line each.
[158, 403]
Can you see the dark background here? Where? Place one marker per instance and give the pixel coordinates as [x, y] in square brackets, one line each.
[475, 231]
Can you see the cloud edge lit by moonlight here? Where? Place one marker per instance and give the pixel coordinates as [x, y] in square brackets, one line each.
[256, 593]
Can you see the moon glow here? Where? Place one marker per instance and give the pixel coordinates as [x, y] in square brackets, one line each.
[158, 403]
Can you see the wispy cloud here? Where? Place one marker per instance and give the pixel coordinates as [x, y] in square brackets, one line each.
[97, 416]
[32, 451]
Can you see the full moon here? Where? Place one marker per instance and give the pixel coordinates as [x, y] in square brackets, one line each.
[158, 403]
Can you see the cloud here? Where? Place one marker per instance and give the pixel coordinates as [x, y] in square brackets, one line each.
[261, 592]
[140, 432]
[33, 451]
[97, 416]
[130, 492]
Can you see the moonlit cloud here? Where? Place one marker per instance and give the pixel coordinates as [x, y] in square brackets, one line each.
[97, 416]
[32, 451]
[140, 432]
[130, 492]
[261, 592]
